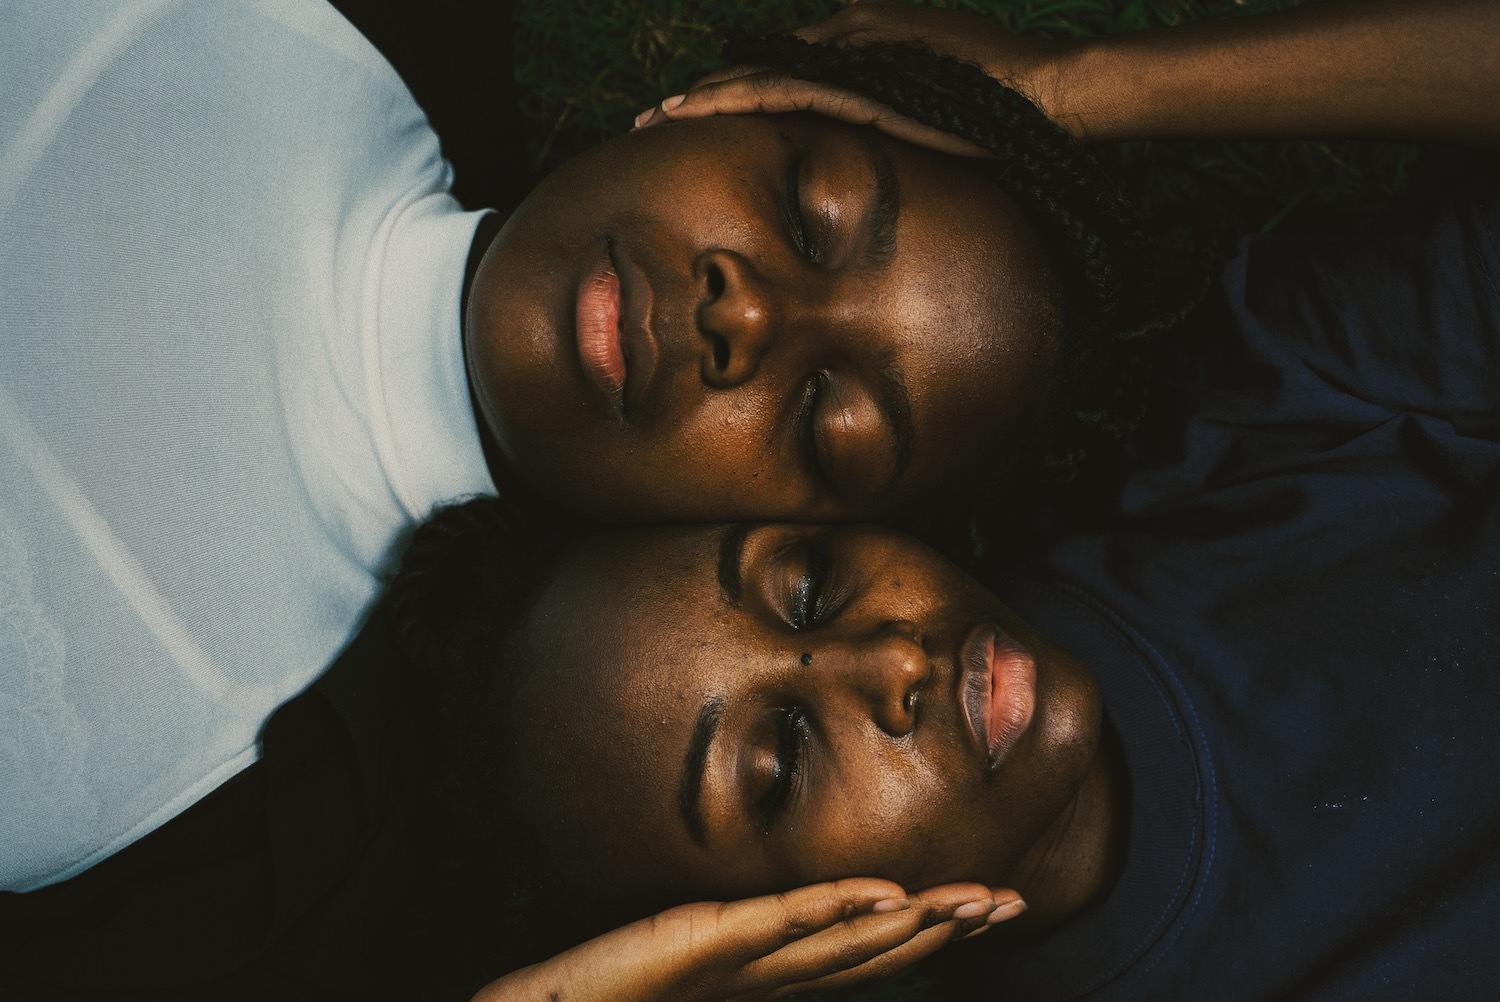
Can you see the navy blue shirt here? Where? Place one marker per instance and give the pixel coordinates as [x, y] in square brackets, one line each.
[1296, 629]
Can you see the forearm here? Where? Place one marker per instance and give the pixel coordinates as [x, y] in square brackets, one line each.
[1370, 68]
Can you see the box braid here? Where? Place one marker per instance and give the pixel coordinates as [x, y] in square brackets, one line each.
[1111, 308]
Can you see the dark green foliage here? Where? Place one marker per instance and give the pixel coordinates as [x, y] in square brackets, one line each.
[586, 67]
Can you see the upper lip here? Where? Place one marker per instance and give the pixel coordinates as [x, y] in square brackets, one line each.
[976, 662]
[637, 338]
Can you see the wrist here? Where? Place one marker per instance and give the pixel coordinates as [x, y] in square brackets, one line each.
[1098, 90]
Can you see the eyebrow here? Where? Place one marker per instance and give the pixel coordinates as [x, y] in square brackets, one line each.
[690, 789]
[695, 761]
[880, 242]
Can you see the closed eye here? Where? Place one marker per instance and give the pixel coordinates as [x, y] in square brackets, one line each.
[791, 753]
[795, 219]
[804, 423]
[810, 595]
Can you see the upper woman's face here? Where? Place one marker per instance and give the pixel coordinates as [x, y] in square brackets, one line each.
[761, 317]
[717, 712]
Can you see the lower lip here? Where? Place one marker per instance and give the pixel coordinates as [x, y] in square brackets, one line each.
[598, 330]
[1008, 704]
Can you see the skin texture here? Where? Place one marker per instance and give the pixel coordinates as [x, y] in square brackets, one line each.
[857, 633]
[757, 346]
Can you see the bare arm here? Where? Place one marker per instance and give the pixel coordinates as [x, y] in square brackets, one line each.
[1368, 68]
[1373, 68]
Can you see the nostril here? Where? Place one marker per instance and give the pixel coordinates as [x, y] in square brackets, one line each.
[715, 276]
[721, 352]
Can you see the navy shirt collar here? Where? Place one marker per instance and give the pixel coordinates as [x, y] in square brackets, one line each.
[1172, 808]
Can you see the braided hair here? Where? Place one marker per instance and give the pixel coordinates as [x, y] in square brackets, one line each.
[1110, 310]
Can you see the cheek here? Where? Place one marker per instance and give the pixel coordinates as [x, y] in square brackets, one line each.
[979, 382]
[895, 822]
[713, 463]
[723, 458]
[985, 289]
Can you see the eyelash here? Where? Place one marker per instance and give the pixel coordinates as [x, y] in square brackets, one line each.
[791, 742]
[806, 428]
[813, 601]
[794, 217]
[810, 597]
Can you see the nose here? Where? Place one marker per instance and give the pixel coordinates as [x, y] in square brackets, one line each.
[882, 671]
[735, 318]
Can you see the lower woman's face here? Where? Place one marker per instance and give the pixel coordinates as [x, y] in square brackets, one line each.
[730, 711]
[761, 317]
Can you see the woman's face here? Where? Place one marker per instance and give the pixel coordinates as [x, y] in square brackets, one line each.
[762, 317]
[726, 711]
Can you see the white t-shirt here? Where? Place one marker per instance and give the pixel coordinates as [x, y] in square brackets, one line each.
[231, 382]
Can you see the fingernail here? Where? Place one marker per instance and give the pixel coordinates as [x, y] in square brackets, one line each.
[891, 905]
[974, 909]
[644, 117]
[673, 102]
[1008, 910]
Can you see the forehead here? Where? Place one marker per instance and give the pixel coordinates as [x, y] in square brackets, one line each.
[618, 603]
[621, 643]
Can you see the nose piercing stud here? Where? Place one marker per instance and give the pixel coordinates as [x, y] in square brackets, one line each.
[806, 659]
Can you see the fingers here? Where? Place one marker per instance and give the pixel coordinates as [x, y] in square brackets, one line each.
[854, 943]
[963, 921]
[760, 926]
[719, 76]
[767, 92]
[875, 944]
[1008, 903]
[965, 901]
[740, 90]
[955, 894]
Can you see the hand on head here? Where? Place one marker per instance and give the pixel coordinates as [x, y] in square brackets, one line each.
[1026, 64]
[792, 317]
[765, 317]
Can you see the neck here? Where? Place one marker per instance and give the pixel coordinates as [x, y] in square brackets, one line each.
[494, 458]
[1079, 859]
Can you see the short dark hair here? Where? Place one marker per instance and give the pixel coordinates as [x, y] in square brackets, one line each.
[479, 903]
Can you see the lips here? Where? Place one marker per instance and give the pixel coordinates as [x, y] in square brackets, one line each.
[600, 346]
[615, 344]
[997, 688]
